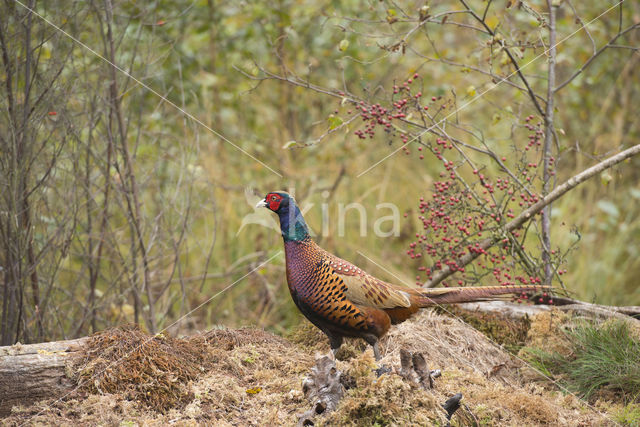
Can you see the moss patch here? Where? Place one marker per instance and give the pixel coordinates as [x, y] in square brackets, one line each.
[510, 333]
[251, 377]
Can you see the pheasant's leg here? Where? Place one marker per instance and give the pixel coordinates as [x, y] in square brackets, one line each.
[335, 341]
[373, 341]
[334, 351]
[376, 351]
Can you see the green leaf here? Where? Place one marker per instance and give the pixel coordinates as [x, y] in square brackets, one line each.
[471, 90]
[344, 45]
[289, 144]
[334, 121]
[492, 22]
[391, 16]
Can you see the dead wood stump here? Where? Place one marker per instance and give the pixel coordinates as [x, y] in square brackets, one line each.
[322, 388]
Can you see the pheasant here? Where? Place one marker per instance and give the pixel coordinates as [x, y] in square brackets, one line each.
[343, 300]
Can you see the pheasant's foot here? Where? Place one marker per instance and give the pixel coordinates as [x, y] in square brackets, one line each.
[333, 353]
[382, 370]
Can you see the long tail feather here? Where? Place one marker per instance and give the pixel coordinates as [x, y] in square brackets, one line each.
[435, 296]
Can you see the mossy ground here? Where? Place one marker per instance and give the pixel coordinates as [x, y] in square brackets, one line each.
[509, 333]
[251, 377]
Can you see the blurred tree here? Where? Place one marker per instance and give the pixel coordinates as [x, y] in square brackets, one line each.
[133, 133]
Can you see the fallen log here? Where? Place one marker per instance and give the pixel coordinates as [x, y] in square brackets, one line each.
[36, 371]
[517, 311]
[505, 309]
[568, 304]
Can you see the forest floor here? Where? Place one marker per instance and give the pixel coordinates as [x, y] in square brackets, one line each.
[252, 377]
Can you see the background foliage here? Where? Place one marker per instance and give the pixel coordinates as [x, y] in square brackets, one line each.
[135, 205]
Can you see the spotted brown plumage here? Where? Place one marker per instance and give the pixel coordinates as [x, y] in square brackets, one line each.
[343, 300]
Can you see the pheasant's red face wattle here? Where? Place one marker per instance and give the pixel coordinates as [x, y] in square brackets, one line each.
[274, 201]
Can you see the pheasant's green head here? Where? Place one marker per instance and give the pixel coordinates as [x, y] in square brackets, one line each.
[292, 223]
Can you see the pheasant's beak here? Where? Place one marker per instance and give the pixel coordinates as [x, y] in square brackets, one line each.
[262, 204]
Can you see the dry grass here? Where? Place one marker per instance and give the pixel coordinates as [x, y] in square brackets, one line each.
[251, 377]
[148, 370]
[510, 333]
[447, 342]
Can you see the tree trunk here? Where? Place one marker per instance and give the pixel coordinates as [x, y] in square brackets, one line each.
[36, 371]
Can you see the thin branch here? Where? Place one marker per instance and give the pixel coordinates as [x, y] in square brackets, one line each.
[526, 215]
[486, 10]
[546, 151]
[132, 200]
[581, 22]
[610, 44]
[493, 76]
[511, 58]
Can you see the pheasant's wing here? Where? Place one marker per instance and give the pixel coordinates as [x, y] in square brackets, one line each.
[365, 290]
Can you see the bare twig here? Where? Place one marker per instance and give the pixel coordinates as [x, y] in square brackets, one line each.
[610, 44]
[546, 153]
[131, 196]
[492, 33]
[581, 22]
[494, 77]
[526, 215]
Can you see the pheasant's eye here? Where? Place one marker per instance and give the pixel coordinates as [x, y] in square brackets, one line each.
[274, 198]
